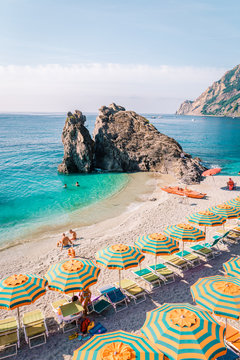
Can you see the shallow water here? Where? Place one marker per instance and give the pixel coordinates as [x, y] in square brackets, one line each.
[32, 193]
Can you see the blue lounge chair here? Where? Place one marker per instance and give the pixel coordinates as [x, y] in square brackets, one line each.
[115, 297]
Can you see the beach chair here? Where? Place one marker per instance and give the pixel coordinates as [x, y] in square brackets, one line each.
[115, 297]
[164, 272]
[205, 252]
[98, 305]
[35, 327]
[230, 355]
[232, 338]
[215, 244]
[133, 290]
[176, 261]
[9, 337]
[192, 259]
[154, 281]
[67, 313]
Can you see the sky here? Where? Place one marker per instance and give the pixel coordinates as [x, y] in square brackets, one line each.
[147, 55]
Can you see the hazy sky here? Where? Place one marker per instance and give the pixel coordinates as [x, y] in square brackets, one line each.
[147, 55]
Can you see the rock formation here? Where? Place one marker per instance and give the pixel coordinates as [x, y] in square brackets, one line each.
[126, 141]
[220, 99]
[78, 145]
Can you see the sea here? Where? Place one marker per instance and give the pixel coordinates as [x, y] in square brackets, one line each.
[32, 195]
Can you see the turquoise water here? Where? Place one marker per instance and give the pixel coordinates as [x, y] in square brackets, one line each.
[32, 193]
[216, 140]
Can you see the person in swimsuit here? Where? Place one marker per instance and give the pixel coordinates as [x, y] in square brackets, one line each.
[77, 184]
[74, 234]
[85, 299]
[65, 242]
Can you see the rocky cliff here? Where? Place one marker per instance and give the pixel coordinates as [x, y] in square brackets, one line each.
[220, 99]
[78, 145]
[126, 141]
[123, 141]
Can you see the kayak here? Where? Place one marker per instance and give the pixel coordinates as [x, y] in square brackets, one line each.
[183, 192]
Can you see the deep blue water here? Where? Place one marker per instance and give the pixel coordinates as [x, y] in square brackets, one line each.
[31, 191]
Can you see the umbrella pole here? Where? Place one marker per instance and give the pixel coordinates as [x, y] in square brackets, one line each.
[182, 247]
[119, 275]
[205, 229]
[18, 317]
[155, 262]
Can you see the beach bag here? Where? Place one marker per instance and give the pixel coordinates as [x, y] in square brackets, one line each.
[90, 326]
[84, 326]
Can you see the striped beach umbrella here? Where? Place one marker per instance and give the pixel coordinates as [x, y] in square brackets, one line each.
[72, 275]
[234, 202]
[119, 256]
[206, 218]
[118, 345]
[184, 332]
[232, 267]
[185, 233]
[157, 244]
[226, 211]
[218, 294]
[20, 290]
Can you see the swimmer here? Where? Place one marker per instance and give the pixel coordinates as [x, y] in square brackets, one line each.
[77, 184]
[65, 242]
[65, 186]
[74, 234]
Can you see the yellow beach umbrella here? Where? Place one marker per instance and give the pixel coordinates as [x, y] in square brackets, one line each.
[72, 275]
[118, 345]
[19, 290]
[218, 294]
[232, 267]
[206, 218]
[234, 202]
[185, 233]
[119, 256]
[184, 332]
[225, 210]
[157, 244]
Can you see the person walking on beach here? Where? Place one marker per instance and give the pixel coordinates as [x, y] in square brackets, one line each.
[74, 234]
[65, 242]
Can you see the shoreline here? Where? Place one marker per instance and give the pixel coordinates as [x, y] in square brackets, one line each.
[139, 186]
[155, 211]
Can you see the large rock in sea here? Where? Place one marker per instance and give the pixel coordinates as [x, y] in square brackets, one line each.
[126, 141]
[78, 145]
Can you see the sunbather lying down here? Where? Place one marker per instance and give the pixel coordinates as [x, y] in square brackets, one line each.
[65, 242]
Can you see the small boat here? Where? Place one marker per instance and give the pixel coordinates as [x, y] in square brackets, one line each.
[183, 192]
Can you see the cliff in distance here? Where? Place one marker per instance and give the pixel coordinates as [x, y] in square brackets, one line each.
[222, 98]
[124, 141]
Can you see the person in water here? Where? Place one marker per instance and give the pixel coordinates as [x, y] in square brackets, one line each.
[77, 184]
[65, 242]
[65, 186]
[74, 234]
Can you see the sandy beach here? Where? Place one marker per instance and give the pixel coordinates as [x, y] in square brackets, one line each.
[146, 212]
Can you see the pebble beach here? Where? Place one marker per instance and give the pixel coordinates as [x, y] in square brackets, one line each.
[154, 211]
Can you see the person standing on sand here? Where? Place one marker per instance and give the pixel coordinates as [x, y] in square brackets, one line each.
[65, 242]
[74, 234]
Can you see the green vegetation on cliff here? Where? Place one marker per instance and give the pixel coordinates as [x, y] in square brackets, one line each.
[222, 98]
